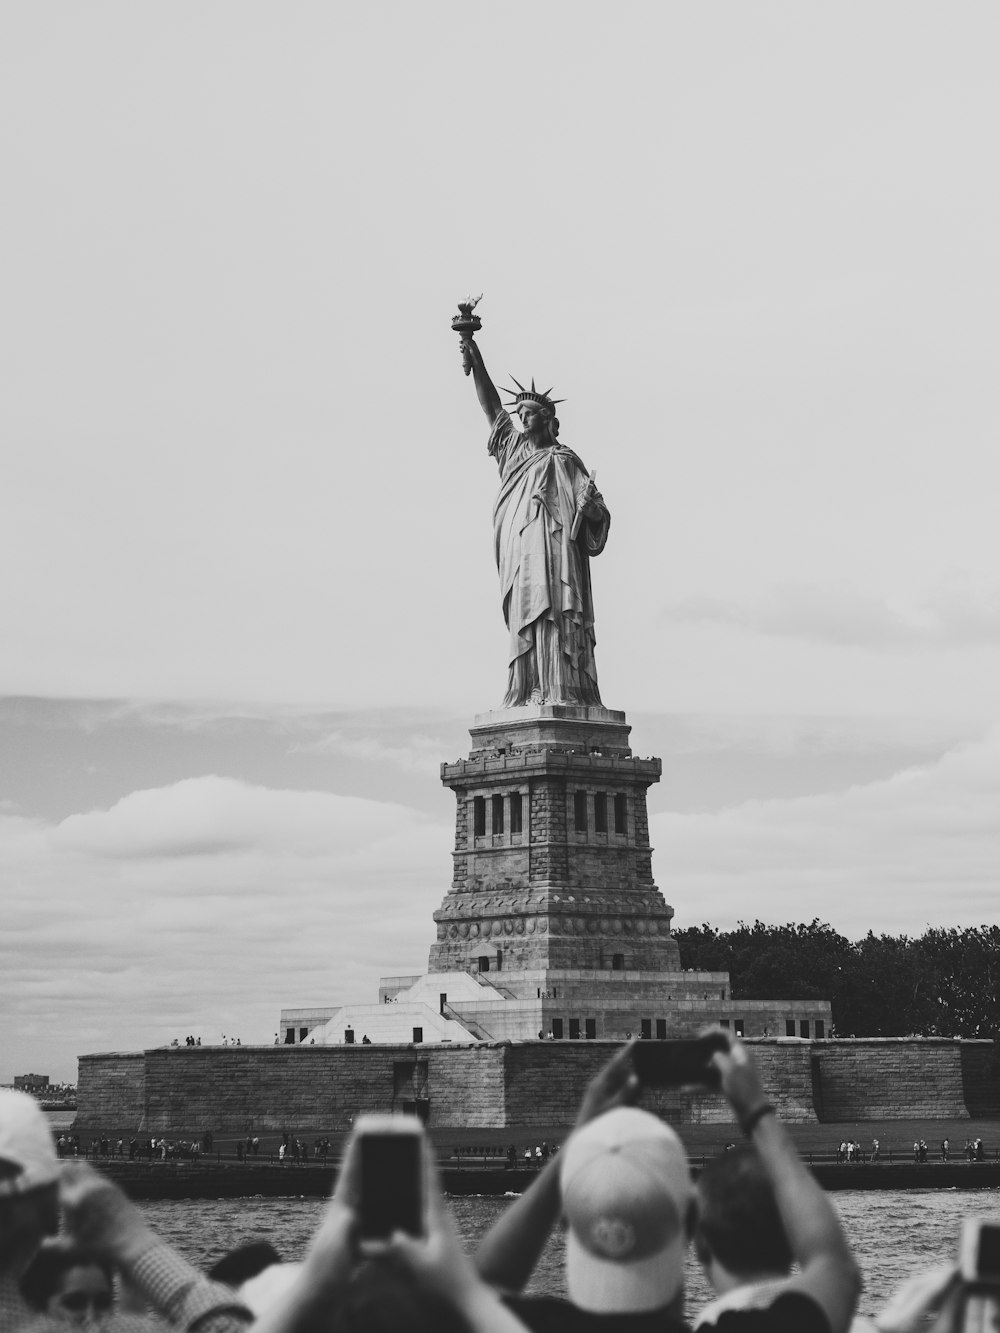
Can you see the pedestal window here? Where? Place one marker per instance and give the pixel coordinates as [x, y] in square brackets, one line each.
[516, 813]
[621, 819]
[600, 812]
[580, 811]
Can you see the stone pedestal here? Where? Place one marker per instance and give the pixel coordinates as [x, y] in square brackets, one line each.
[552, 862]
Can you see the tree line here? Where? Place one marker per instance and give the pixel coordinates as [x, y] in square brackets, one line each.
[944, 983]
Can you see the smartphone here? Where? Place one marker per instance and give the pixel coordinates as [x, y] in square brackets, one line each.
[677, 1064]
[391, 1153]
[979, 1251]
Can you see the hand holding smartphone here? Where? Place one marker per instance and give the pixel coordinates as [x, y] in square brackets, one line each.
[392, 1180]
[978, 1302]
[979, 1251]
[678, 1064]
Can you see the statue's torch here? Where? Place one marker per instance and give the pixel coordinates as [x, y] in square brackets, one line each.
[465, 324]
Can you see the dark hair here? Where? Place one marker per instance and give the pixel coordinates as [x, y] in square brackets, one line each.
[245, 1262]
[738, 1219]
[40, 1280]
[383, 1297]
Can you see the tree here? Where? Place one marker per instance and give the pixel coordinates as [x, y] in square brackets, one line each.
[944, 983]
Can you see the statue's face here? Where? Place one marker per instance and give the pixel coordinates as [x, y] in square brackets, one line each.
[534, 420]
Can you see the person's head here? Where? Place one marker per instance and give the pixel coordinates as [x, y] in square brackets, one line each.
[69, 1283]
[628, 1202]
[29, 1172]
[244, 1262]
[381, 1296]
[739, 1228]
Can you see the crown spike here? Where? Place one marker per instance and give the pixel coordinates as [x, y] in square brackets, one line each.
[518, 383]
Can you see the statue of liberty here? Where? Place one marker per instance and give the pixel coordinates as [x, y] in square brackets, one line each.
[548, 520]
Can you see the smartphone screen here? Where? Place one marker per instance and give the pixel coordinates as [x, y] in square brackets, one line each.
[391, 1185]
[988, 1257]
[675, 1064]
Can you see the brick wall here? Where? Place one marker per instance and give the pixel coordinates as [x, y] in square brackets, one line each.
[545, 1083]
[889, 1078]
[981, 1078]
[549, 853]
[262, 1089]
[318, 1089]
[461, 840]
[110, 1091]
[466, 1086]
[545, 1080]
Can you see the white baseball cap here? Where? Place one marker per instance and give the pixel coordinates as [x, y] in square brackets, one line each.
[626, 1195]
[27, 1154]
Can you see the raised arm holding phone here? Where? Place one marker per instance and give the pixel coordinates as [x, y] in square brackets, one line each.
[623, 1185]
[386, 1255]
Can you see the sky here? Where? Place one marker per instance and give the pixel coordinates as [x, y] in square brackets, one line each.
[250, 603]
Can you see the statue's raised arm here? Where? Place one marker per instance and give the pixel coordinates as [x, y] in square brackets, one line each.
[548, 521]
[489, 399]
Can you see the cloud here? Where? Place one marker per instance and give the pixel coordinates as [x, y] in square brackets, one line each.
[206, 906]
[420, 754]
[792, 735]
[920, 847]
[210, 815]
[952, 614]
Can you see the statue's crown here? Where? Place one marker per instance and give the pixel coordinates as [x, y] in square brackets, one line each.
[532, 395]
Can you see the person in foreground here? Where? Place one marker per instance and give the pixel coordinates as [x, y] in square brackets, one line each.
[741, 1244]
[64, 1281]
[424, 1283]
[739, 1237]
[99, 1220]
[29, 1198]
[623, 1186]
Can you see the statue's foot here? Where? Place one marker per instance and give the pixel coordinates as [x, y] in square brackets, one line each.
[537, 697]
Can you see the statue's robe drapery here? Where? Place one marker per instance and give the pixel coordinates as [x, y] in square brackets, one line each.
[544, 573]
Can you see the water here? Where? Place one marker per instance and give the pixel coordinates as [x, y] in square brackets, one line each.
[895, 1233]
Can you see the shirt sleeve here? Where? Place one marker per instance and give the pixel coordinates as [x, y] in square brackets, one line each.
[185, 1297]
[795, 1312]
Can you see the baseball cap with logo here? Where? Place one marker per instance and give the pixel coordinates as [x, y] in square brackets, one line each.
[626, 1195]
[27, 1155]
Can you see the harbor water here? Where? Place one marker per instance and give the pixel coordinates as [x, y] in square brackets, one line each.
[895, 1233]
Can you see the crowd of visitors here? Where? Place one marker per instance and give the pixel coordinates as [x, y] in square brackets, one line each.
[74, 1250]
[850, 1150]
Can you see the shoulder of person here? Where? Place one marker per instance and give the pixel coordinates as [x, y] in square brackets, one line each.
[554, 1314]
[792, 1312]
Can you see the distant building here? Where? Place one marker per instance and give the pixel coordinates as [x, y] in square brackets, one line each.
[34, 1083]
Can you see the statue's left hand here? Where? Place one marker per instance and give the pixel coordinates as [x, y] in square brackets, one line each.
[593, 501]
